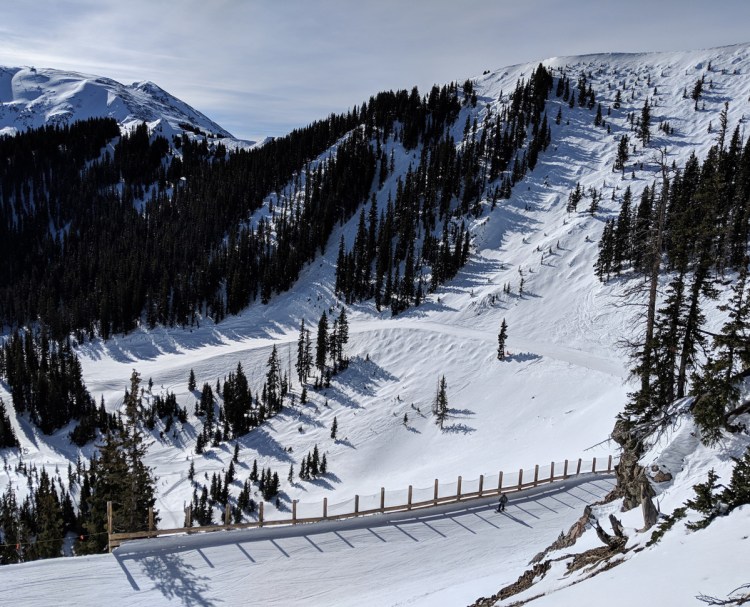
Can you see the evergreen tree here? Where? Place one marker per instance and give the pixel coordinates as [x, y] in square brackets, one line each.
[737, 493]
[697, 90]
[343, 336]
[273, 382]
[322, 349]
[574, 198]
[11, 525]
[618, 100]
[440, 404]
[606, 251]
[623, 148]
[644, 129]
[334, 428]
[140, 490]
[716, 387]
[7, 436]
[191, 381]
[706, 501]
[501, 337]
[303, 354]
[48, 519]
[622, 233]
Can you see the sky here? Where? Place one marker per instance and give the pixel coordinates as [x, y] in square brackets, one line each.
[264, 68]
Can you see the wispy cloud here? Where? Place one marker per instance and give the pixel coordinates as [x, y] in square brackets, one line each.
[262, 68]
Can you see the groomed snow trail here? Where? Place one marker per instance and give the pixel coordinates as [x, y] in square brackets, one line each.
[447, 555]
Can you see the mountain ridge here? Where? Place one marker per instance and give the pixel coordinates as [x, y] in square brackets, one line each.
[31, 97]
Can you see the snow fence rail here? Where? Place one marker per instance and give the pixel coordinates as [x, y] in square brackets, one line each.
[402, 500]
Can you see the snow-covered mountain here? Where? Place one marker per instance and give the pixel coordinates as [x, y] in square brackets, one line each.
[554, 398]
[32, 97]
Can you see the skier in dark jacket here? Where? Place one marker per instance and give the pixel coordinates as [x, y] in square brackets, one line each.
[501, 502]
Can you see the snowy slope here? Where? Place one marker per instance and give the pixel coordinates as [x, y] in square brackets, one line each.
[555, 398]
[33, 97]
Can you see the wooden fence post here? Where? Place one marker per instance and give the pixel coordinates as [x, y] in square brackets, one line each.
[609, 464]
[189, 516]
[436, 492]
[294, 512]
[382, 499]
[565, 470]
[458, 490]
[325, 507]
[481, 484]
[356, 505]
[408, 505]
[593, 466]
[578, 469]
[500, 482]
[552, 472]
[520, 478]
[227, 515]
[260, 514]
[109, 526]
[536, 475]
[150, 520]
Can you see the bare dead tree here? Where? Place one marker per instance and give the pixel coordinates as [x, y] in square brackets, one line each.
[738, 596]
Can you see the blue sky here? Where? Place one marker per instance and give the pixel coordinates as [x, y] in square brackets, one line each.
[264, 68]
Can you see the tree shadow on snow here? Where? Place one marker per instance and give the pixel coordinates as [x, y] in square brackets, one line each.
[173, 577]
[265, 445]
[360, 378]
[523, 357]
[456, 412]
[458, 429]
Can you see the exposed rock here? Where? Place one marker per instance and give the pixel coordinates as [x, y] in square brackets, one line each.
[617, 526]
[524, 582]
[661, 476]
[594, 557]
[565, 540]
[650, 513]
[632, 481]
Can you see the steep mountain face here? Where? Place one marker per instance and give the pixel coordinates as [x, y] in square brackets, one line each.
[34, 97]
[511, 202]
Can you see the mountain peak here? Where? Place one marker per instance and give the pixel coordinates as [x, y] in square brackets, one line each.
[32, 97]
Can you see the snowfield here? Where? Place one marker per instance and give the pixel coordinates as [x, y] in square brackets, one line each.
[555, 397]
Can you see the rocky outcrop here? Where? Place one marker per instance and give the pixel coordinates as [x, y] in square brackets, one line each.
[524, 582]
[660, 476]
[566, 540]
[633, 484]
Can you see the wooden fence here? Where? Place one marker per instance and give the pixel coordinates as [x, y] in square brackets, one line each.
[569, 470]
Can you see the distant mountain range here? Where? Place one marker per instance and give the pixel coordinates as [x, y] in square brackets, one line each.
[33, 97]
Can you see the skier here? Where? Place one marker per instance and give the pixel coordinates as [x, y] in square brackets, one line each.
[501, 503]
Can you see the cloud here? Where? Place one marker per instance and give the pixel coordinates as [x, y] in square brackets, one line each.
[253, 65]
